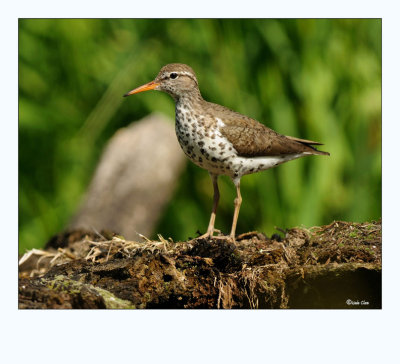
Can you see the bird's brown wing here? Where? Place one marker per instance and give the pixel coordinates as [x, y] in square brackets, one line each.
[253, 139]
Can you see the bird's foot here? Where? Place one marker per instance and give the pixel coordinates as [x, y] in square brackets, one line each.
[210, 235]
[227, 238]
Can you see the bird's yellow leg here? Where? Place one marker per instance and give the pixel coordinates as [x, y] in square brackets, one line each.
[238, 202]
[210, 229]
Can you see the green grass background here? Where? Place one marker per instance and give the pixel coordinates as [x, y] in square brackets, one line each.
[314, 79]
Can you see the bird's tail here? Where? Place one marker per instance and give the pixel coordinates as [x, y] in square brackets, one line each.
[310, 144]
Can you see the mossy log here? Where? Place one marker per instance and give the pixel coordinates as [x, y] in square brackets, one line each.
[333, 266]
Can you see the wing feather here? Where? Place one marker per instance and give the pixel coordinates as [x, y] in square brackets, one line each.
[250, 138]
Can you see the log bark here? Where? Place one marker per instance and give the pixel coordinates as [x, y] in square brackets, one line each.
[333, 266]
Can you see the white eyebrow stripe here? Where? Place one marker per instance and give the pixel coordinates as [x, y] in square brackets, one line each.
[185, 73]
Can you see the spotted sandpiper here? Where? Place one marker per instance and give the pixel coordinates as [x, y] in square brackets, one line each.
[220, 140]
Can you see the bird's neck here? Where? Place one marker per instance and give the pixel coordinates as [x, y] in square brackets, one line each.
[189, 99]
[186, 106]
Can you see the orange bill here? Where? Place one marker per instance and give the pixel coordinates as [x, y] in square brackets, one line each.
[148, 86]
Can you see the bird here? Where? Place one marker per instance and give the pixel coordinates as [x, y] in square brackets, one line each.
[220, 140]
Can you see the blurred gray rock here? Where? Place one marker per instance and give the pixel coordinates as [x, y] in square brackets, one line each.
[134, 180]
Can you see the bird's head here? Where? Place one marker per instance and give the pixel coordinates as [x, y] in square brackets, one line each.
[175, 79]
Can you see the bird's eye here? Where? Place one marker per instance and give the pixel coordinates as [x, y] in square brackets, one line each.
[173, 75]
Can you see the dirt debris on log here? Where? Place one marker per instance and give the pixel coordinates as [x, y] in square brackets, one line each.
[333, 266]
